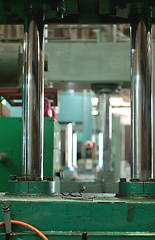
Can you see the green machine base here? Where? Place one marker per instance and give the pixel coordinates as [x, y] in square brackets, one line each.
[135, 187]
[92, 217]
[33, 187]
[11, 150]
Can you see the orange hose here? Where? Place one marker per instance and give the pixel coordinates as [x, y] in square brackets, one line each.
[27, 226]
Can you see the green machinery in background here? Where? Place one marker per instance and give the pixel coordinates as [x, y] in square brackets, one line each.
[11, 150]
[128, 214]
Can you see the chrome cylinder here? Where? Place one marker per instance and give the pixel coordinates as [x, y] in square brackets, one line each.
[33, 99]
[100, 150]
[141, 98]
[106, 142]
[68, 146]
[75, 150]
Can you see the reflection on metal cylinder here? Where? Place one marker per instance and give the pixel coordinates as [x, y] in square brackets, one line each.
[75, 150]
[100, 150]
[68, 146]
[106, 116]
[141, 98]
[33, 99]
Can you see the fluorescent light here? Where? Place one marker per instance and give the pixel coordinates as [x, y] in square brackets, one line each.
[118, 101]
[122, 111]
[94, 112]
[94, 101]
[93, 138]
[125, 120]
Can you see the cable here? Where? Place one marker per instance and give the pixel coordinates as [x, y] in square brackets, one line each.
[27, 226]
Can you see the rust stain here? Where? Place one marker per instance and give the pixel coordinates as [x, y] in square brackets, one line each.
[131, 208]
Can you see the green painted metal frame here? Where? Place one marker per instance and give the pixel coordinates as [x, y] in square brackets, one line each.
[31, 187]
[101, 216]
[74, 11]
[136, 187]
[11, 144]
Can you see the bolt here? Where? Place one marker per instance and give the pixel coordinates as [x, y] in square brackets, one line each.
[13, 177]
[122, 179]
[59, 174]
[151, 179]
[21, 179]
[82, 189]
[134, 180]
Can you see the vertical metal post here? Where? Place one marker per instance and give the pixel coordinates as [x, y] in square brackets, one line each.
[68, 144]
[141, 97]
[33, 98]
[100, 150]
[87, 120]
[75, 150]
[105, 115]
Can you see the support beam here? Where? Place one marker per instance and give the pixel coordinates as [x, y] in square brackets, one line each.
[68, 146]
[141, 97]
[105, 162]
[33, 98]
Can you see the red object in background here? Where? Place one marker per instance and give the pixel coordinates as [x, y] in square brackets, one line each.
[47, 108]
[48, 112]
[54, 114]
[89, 144]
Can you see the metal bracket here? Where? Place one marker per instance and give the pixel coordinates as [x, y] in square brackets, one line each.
[7, 220]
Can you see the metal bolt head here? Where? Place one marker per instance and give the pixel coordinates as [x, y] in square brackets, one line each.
[122, 179]
[13, 177]
[151, 179]
[21, 179]
[60, 174]
[134, 180]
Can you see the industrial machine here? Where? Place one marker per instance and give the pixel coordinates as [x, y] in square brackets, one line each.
[11, 151]
[32, 202]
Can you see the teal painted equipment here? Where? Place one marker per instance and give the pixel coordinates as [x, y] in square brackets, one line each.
[92, 217]
[11, 146]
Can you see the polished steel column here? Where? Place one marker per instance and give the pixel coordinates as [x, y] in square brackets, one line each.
[68, 146]
[100, 150]
[106, 143]
[75, 150]
[33, 98]
[141, 98]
